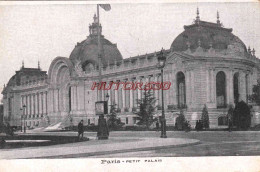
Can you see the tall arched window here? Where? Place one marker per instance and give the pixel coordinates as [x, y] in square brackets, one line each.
[236, 87]
[221, 89]
[181, 89]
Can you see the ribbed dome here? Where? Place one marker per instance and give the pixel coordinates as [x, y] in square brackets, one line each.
[207, 34]
[87, 50]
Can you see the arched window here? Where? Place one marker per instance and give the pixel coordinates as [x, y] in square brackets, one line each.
[221, 89]
[236, 87]
[181, 94]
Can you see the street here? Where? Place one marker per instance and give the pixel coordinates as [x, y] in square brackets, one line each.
[213, 143]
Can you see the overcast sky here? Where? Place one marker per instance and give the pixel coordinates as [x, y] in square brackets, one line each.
[43, 32]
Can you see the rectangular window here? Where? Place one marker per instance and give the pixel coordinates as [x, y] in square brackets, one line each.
[126, 120]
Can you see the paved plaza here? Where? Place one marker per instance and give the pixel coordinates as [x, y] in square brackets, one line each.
[146, 144]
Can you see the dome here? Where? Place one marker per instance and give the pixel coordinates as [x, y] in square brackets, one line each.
[207, 35]
[87, 51]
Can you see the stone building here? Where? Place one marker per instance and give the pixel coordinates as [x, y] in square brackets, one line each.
[206, 64]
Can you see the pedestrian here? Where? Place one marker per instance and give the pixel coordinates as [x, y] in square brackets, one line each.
[197, 125]
[157, 126]
[80, 129]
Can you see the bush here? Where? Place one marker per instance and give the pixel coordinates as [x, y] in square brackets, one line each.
[181, 122]
[205, 117]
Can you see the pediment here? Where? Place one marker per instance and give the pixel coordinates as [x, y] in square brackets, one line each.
[176, 59]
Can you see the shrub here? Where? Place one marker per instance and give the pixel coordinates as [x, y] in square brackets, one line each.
[181, 122]
[205, 117]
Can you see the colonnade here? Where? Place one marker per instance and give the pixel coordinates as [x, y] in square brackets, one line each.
[35, 104]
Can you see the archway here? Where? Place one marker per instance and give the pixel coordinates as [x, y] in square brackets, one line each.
[221, 89]
[236, 87]
[181, 93]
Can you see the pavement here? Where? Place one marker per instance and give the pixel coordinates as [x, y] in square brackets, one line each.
[96, 147]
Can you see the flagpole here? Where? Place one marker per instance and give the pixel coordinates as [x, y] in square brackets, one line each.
[99, 56]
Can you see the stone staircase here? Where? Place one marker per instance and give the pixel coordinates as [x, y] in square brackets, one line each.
[193, 116]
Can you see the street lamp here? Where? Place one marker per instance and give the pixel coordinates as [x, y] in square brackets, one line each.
[103, 132]
[161, 63]
[107, 97]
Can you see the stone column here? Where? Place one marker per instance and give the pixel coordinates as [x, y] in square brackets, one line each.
[46, 107]
[123, 97]
[40, 103]
[138, 90]
[242, 88]
[116, 95]
[231, 87]
[187, 86]
[155, 79]
[80, 96]
[228, 85]
[208, 84]
[127, 96]
[21, 101]
[45, 102]
[29, 105]
[26, 104]
[250, 83]
[36, 104]
[213, 86]
[75, 97]
[56, 95]
[135, 94]
[131, 103]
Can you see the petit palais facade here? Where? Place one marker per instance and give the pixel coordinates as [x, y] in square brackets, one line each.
[206, 64]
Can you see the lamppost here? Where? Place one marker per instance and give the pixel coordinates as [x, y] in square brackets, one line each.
[107, 98]
[161, 63]
[103, 132]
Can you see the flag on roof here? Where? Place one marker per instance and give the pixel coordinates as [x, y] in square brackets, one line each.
[106, 7]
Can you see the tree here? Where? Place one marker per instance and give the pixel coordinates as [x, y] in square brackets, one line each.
[242, 116]
[180, 120]
[113, 121]
[255, 97]
[205, 117]
[146, 106]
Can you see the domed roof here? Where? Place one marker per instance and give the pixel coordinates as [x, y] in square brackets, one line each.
[87, 50]
[207, 35]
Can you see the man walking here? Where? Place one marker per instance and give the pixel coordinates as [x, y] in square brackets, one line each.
[80, 130]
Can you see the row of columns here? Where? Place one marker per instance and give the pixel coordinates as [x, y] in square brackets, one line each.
[127, 99]
[245, 85]
[36, 103]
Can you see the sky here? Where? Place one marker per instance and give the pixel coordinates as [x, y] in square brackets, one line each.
[41, 32]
